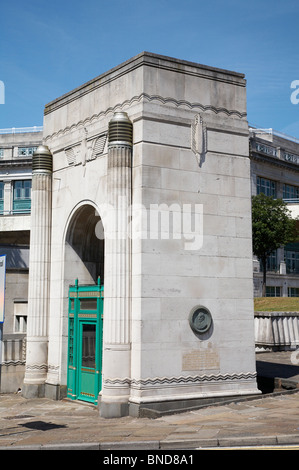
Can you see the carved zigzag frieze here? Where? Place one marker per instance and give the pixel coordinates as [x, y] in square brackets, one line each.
[181, 380]
[150, 98]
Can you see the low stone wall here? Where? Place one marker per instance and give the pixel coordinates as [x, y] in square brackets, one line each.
[276, 331]
[13, 363]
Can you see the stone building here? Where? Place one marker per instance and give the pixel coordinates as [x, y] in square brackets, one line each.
[275, 172]
[141, 202]
[16, 149]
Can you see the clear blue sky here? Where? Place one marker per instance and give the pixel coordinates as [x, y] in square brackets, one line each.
[47, 48]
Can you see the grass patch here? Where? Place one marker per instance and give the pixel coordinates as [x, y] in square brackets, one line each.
[276, 304]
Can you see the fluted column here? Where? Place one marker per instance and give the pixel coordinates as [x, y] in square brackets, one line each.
[39, 274]
[117, 337]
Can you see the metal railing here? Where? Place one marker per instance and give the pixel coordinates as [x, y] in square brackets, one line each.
[21, 130]
[294, 200]
[271, 131]
[15, 212]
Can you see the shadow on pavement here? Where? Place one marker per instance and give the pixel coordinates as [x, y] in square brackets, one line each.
[42, 426]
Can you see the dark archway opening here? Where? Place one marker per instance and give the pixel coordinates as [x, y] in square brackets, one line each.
[84, 249]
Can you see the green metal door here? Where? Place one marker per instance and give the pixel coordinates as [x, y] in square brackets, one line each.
[85, 336]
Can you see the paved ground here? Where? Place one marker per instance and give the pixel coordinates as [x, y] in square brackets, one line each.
[41, 424]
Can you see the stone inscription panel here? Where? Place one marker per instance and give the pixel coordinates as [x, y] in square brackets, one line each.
[200, 360]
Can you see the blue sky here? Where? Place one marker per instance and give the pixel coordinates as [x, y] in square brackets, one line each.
[47, 48]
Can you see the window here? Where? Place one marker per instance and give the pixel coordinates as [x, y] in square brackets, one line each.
[271, 262]
[290, 192]
[88, 355]
[265, 186]
[22, 196]
[292, 261]
[1, 197]
[272, 291]
[20, 315]
[1, 153]
[26, 151]
[293, 291]
[88, 304]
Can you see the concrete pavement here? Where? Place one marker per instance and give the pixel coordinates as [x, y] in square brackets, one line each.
[268, 419]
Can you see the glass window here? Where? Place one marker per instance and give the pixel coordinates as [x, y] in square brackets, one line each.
[271, 262]
[71, 341]
[88, 345]
[26, 151]
[1, 153]
[88, 304]
[1, 196]
[292, 261]
[265, 186]
[272, 291]
[22, 196]
[293, 291]
[290, 192]
[27, 189]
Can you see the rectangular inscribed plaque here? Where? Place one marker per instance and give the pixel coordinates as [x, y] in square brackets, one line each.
[199, 360]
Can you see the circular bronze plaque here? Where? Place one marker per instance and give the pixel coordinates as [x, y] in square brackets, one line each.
[200, 319]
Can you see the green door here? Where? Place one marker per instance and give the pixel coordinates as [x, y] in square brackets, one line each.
[85, 342]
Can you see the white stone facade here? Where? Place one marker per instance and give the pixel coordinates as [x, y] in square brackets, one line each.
[190, 154]
[16, 148]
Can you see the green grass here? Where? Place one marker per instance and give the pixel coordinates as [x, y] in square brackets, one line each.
[276, 304]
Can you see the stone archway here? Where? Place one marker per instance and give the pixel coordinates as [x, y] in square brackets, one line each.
[84, 265]
[84, 250]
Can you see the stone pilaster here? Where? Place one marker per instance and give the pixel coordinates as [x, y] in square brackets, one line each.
[8, 194]
[39, 274]
[117, 336]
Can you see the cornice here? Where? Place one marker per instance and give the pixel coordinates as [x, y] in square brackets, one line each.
[273, 161]
[151, 60]
[16, 163]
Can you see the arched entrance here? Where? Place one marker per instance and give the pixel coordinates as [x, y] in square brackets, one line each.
[84, 278]
[84, 249]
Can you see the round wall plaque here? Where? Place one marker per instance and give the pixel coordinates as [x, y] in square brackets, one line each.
[200, 319]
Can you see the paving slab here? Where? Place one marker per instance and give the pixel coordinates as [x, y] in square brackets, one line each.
[44, 424]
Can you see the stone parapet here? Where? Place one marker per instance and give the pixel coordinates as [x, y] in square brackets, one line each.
[276, 331]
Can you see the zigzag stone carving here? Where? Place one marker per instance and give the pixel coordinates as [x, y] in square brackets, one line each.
[182, 380]
[149, 98]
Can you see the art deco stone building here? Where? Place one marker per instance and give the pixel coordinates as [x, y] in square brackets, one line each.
[141, 279]
[160, 314]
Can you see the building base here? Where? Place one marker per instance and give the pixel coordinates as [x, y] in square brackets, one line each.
[158, 409]
[33, 390]
[55, 392]
[112, 409]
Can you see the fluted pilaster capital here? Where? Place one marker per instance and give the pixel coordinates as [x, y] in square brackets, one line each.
[120, 131]
[42, 160]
